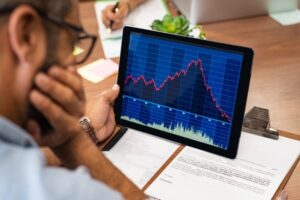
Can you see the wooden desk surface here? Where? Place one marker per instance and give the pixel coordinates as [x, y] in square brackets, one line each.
[275, 82]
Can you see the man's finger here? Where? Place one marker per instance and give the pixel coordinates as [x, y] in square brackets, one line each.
[69, 78]
[56, 116]
[113, 16]
[117, 25]
[111, 121]
[73, 70]
[34, 129]
[110, 95]
[105, 19]
[60, 93]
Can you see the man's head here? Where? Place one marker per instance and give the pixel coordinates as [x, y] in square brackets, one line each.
[30, 43]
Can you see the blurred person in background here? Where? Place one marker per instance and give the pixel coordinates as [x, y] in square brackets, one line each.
[125, 7]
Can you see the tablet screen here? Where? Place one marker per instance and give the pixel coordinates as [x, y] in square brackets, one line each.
[181, 88]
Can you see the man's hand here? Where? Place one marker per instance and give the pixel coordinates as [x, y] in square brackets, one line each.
[118, 18]
[63, 105]
[60, 98]
[100, 111]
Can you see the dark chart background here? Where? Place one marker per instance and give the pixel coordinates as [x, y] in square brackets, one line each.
[181, 88]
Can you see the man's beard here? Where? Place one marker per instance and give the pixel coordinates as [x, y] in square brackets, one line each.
[34, 114]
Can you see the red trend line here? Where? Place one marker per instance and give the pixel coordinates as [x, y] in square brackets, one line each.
[177, 75]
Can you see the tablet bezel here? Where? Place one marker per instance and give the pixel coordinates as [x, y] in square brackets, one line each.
[240, 104]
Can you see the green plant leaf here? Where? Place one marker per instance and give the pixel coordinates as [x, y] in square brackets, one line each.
[176, 25]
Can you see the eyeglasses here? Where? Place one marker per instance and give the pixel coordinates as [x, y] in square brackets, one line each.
[82, 45]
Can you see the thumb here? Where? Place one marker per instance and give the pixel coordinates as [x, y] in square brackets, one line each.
[110, 95]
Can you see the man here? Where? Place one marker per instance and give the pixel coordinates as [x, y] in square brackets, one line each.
[37, 78]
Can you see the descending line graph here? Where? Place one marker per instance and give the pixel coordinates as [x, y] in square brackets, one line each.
[181, 89]
[182, 72]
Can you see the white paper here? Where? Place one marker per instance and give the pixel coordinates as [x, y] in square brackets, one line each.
[141, 17]
[139, 155]
[111, 47]
[256, 173]
[98, 70]
[285, 12]
[287, 18]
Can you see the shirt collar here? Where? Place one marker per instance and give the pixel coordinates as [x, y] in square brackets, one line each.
[11, 133]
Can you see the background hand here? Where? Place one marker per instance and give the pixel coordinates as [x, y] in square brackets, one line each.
[101, 113]
[117, 18]
[60, 98]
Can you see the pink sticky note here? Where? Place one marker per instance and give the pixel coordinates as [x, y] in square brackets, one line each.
[98, 70]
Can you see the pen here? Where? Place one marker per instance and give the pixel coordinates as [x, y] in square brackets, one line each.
[114, 10]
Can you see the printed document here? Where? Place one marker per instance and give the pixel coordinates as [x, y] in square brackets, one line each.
[256, 173]
[140, 155]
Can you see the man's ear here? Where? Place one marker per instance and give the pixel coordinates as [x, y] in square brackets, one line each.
[27, 36]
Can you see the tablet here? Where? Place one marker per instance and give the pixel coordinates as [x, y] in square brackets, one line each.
[183, 89]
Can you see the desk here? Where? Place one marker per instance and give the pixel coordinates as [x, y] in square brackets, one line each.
[276, 71]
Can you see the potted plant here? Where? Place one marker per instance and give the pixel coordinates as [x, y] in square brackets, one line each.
[178, 25]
